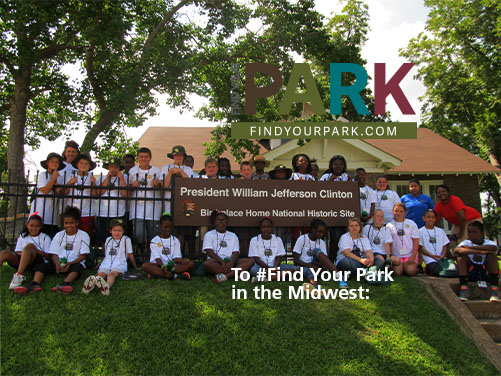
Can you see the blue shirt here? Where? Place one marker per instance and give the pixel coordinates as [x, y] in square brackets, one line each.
[416, 207]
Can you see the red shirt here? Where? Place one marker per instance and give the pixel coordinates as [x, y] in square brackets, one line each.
[449, 210]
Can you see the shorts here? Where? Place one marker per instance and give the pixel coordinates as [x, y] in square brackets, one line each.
[405, 259]
[433, 269]
[50, 268]
[477, 272]
[108, 271]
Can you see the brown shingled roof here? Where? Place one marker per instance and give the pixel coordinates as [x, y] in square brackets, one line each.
[160, 141]
[430, 153]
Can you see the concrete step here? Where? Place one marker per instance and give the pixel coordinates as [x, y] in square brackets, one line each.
[492, 327]
[484, 309]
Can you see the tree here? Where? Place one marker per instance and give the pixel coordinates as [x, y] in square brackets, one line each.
[37, 38]
[337, 41]
[459, 60]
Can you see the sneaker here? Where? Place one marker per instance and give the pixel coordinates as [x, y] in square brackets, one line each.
[495, 294]
[343, 284]
[64, 288]
[220, 278]
[257, 280]
[186, 276]
[32, 287]
[464, 293]
[102, 285]
[89, 284]
[17, 280]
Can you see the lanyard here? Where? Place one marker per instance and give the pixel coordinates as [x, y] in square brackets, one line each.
[266, 249]
[37, 244]
[380, 198]
[314, 245]
[221, 243]
[66, 247]
[434, 242]
[115, 253]
[366, 191]
[372, 230]
[402, 230]
[355, 245]
[169, 248]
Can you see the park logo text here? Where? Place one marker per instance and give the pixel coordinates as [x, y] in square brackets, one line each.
[382, 89]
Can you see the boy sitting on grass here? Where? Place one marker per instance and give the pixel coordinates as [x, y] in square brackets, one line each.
[476, 259]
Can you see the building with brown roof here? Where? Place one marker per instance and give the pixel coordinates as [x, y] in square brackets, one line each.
[430, 157]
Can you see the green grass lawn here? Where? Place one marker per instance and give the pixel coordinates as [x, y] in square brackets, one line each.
[178, 327]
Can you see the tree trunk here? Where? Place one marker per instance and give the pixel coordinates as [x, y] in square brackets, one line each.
[105, 119]
[15, 150]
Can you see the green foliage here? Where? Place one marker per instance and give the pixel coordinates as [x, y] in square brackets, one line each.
[178, 327]
[459, 59]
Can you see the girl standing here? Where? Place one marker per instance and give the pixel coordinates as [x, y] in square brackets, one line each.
[301, 165]
[385, 198]
[337, 170]
[416, 203]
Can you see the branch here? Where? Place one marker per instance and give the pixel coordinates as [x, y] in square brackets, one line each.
[159, 28]
[89, 67]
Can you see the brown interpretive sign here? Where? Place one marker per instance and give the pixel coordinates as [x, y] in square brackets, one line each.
[287, 202]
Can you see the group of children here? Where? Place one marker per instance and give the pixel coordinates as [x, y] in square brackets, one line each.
[392, 236]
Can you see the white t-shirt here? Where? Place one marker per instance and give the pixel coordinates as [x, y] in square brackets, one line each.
[435, 246]
[473, 259]
[223, 245]
[378, 238]
[70, 247]
[385, 200]
[403, 242]
[367, 198]
[111, 208]
[46, 206]
[41, 242]
[116, 252]
[343, 177]
[304, 247]
[67, 171]
[298, 176]
[165, 249]
[141, 209]
[77, 196]
[165, 171]
[347, 242]
[266, 250]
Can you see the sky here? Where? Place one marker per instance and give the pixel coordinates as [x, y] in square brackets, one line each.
[392, 24]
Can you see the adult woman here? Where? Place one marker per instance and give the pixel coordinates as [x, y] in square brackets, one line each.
[385, 198]
[71, 151]
[453, 209]
[416, 203]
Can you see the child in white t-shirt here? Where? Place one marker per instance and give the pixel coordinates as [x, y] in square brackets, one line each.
[109, 205]
[146, 205]
[380, 238]
[385, 198]
[301, 165]
[32, 249]
[432, 243]
[355, 250]
[405, 244]
[69, 248]
[166, 260]
[337, 170]
[267, 250]
[173, 170]
[477, 261]
[80, 196]
[118, 248]
[310, 252]
[367, 196]
[47, 185]
[222, 249]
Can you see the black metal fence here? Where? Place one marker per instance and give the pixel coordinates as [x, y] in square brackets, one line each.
[99, 205]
